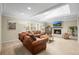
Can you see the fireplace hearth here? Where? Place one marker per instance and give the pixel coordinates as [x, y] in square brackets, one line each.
[57, 31]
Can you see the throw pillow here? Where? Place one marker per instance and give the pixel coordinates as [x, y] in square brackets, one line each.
[33, 37]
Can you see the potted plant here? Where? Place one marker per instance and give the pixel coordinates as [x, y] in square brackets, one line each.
[72, 29]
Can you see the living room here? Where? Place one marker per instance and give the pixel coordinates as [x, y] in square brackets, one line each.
[58, 22]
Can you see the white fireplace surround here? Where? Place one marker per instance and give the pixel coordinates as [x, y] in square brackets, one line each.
[57, 35]
[57, 31]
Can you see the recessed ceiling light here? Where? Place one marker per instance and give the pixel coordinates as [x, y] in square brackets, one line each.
[29, 8]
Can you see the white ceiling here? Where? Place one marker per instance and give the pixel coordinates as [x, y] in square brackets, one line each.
[63, 10]
[20, 9]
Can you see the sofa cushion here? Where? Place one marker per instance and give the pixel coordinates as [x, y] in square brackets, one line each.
[28, 39]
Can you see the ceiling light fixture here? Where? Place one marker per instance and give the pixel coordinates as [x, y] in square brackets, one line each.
[29, 8]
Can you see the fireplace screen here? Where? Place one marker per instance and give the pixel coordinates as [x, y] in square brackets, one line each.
[57, 31]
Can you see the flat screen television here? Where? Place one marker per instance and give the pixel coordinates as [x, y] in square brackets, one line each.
[57, 24]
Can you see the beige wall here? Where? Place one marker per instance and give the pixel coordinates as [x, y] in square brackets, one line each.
[12, 35]
[78, 27]
[0, 33]
[0, 29]
[67, 24]
[65, 27]
[0, 26]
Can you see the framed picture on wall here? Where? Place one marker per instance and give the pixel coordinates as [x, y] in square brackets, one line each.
[11, 25]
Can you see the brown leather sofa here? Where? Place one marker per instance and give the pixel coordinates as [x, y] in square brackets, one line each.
[33, 46]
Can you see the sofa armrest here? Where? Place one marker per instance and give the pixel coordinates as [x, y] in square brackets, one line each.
[44, 37]
[39, 42]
